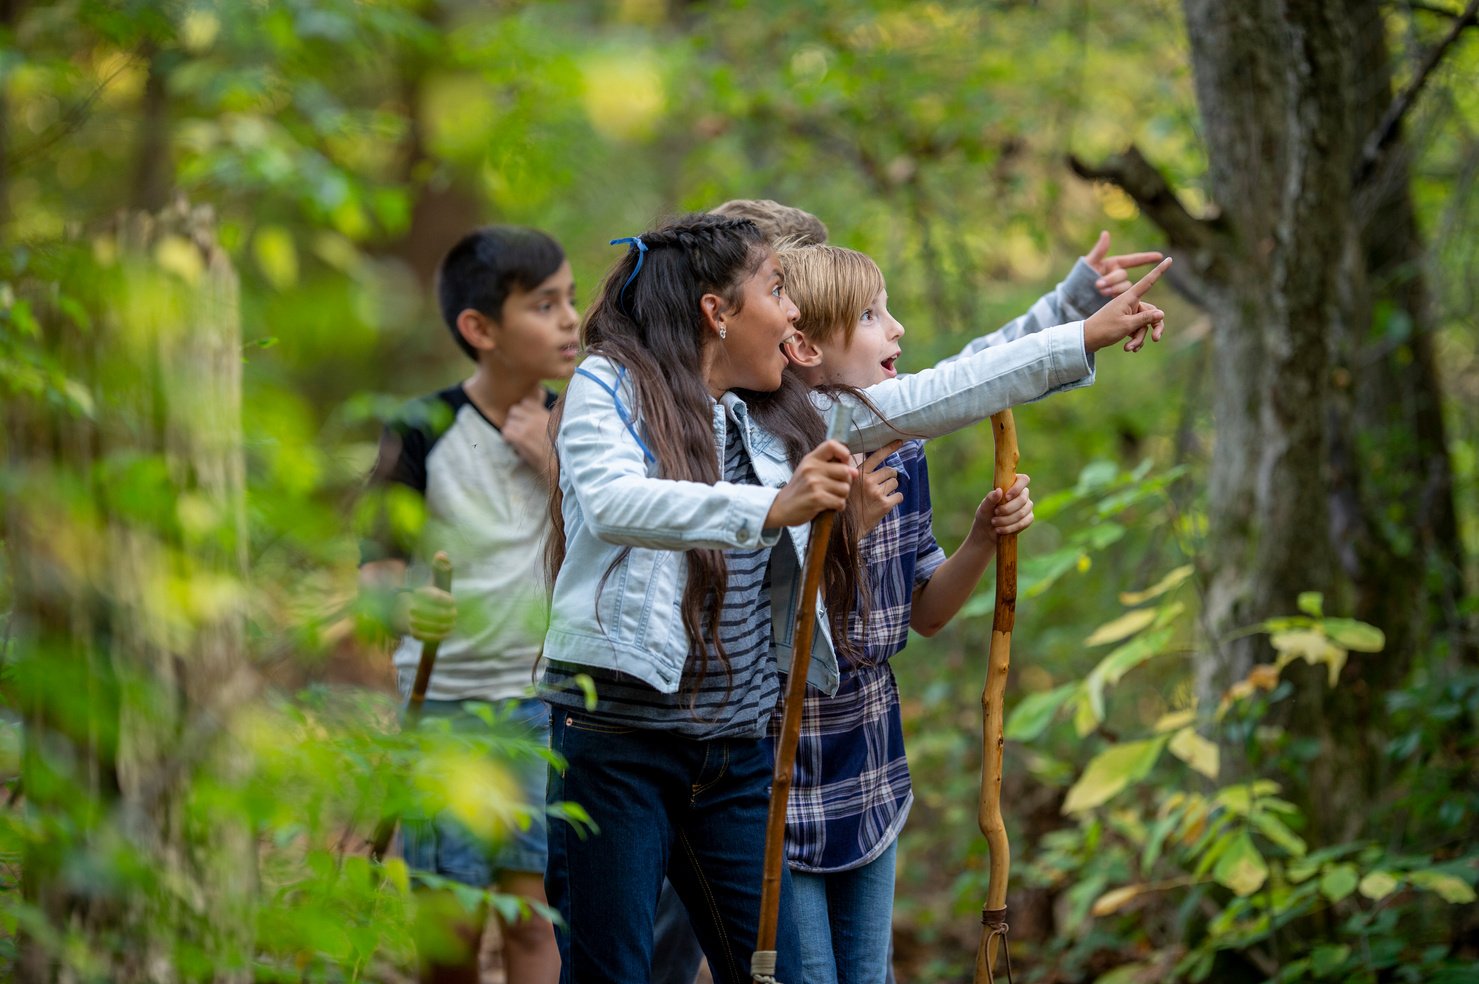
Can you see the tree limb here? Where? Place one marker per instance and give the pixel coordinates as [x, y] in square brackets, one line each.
[1431, 9]
[1140, 179]
[1387, 129]
[1142, 182]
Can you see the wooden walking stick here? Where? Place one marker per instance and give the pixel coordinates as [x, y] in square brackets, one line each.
[762, 962]
[994, 912]
[441, 576]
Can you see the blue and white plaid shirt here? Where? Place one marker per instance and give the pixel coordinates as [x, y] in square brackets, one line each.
[851, 793]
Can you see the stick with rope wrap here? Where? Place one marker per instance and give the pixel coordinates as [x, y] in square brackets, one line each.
[763, 960]
[994, 912]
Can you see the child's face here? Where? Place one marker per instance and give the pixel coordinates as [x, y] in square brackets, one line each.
[869, 357]
[750, 355]
[535, 336]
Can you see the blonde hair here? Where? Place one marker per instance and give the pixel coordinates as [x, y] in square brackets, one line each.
[776, 221]
[832, 285]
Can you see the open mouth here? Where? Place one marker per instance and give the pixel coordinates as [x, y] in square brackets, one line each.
[570, 351]
[888, 365]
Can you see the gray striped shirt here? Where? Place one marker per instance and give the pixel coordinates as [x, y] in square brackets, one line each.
[718, 703]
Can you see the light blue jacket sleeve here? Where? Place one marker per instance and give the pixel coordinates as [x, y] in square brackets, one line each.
[1074, 299]
[968, 389]
[604, 468]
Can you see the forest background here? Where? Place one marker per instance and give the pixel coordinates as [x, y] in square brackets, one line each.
[1245, 696]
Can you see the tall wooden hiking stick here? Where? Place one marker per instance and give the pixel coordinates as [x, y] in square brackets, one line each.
[441, 576]
[762, 962]
[994, 912]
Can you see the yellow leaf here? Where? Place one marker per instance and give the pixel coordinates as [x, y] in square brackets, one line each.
[1115, 899]
[1313, 647]
[1175, 719]
[1241, 868]
[1165, 584]
[1110, 771]
[1378, 885]
[1449, 888]
[1121, 628]
[1197, 752]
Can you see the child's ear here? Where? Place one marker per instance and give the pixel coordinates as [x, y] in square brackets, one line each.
[712, 305]
[477, 329]
[801, 351]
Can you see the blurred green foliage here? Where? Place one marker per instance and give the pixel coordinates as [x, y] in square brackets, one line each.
[343, 144]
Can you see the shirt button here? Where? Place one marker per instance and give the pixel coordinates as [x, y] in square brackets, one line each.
[744, 532]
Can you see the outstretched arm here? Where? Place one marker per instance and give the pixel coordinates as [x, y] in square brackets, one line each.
[1094, 276]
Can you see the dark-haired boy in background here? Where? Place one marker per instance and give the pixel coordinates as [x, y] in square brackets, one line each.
[470, 464]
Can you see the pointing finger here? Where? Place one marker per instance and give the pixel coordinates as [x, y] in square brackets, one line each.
[1146, 282]
[1096, 255]
[1135, 259]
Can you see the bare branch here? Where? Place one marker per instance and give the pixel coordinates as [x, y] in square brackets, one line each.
[1431, 9]
[1194, 238]
[1386, 130]
[1141, 181]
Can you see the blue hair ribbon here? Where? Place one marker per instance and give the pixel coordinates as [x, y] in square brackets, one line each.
[641, 248]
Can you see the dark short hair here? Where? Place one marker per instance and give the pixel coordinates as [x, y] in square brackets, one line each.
[485, 265]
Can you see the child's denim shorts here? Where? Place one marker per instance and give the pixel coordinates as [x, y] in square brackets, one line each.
[440, 844]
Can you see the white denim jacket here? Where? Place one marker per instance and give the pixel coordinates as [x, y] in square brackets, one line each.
[616, 602]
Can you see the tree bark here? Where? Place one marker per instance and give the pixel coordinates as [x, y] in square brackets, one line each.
[1330, 470]
[127, 540]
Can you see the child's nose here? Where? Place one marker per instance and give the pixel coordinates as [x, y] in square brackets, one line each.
[793, 313]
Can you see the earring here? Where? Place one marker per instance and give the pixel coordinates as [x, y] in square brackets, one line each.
[722, 332]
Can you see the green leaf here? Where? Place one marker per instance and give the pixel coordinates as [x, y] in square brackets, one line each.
[1197, 752]
[1156, 839]
[587, 687]
[1328, 958]
[1171, 580]
[1450, 888]
[1032, 715]
[1090, 710]
[1135, 973]
[1378, 885]
[1111, 771]
[1339, 881]
[1241, 868]
[1354, 635]
[1312, 603]
[1121, 628]
[1122, 660]
[1277, 831]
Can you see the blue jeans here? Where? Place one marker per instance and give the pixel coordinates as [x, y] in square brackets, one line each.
[661, 803]
[846, 922]
[676, 953]
[441, 844]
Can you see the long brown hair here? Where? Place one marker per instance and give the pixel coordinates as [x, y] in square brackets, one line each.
[652, 324]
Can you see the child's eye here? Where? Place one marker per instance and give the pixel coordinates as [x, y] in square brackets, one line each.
[866, 315]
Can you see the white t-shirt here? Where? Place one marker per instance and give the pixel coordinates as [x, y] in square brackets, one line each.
[450, 482]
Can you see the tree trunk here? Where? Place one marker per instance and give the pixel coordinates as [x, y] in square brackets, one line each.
[127, 542]
[1330, 471]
